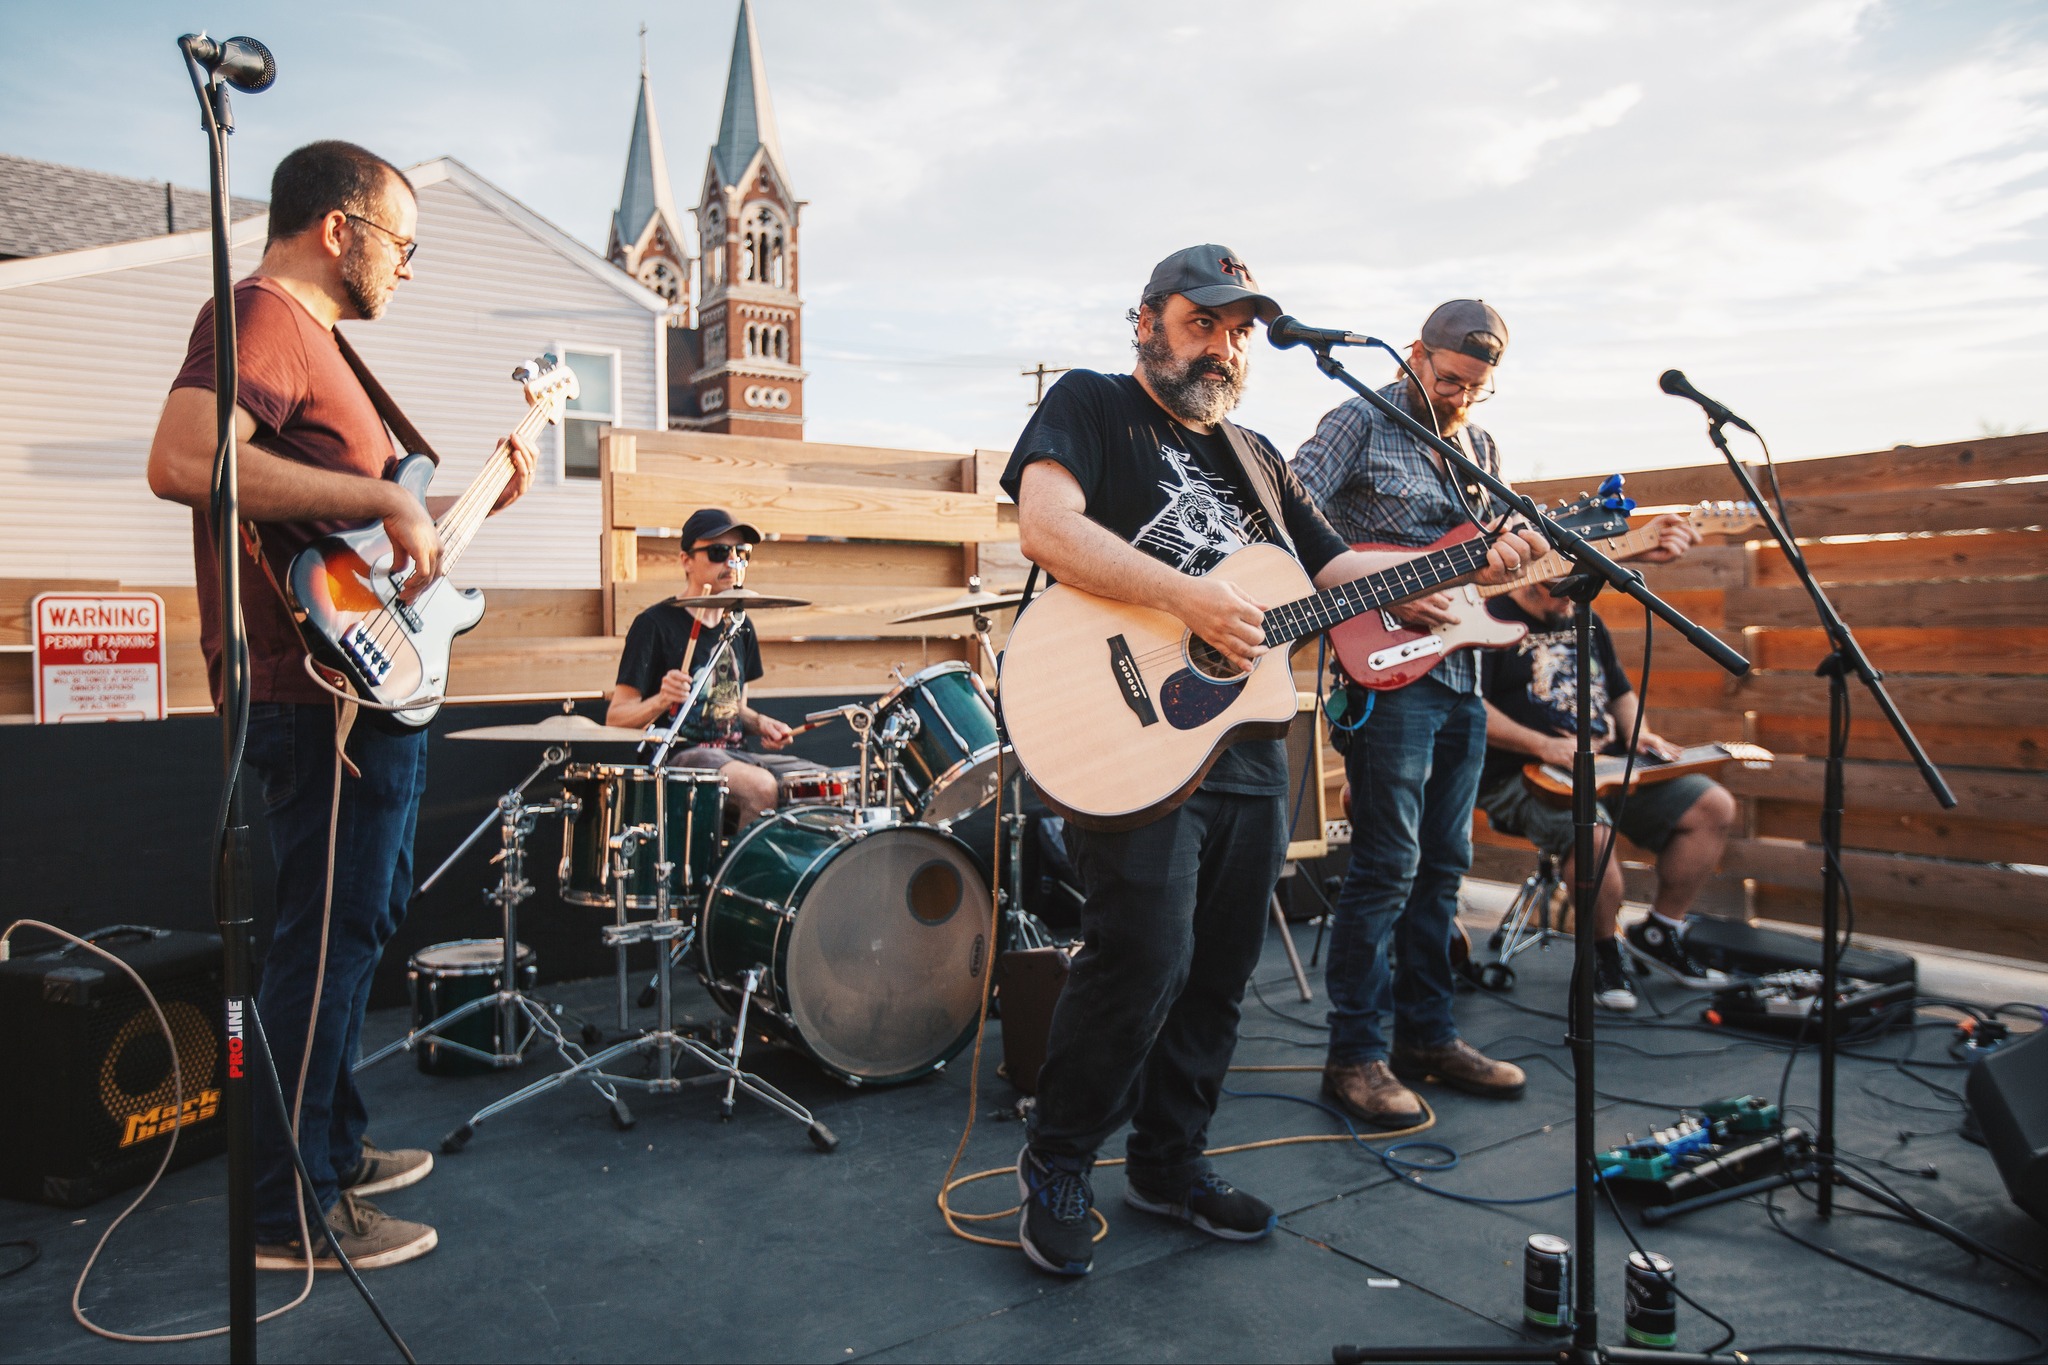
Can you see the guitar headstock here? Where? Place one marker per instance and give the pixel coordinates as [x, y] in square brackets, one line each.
[1723, 518]
[548, 384]
[1597, 516]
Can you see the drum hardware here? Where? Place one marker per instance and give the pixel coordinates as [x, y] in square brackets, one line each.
[938, 742]
[977, 604]
[739, 600]
[664, 1041]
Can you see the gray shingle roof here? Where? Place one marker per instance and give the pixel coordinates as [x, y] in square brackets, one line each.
[46, 208]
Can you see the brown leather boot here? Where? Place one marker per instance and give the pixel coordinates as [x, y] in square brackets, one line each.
[1463, 1067]
[1368, 1091]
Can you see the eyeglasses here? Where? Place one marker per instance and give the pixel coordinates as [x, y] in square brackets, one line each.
[718, 554]
[406, 245]
[1447, 387]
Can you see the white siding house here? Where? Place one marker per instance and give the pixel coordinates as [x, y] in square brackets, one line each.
[90, 340]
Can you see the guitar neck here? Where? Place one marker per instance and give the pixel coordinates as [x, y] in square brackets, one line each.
[1557, 563]
[458, 525]
[1317, 612]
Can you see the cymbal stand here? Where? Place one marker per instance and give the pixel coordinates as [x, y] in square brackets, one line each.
[552, 757]
[521, 1018]
[663, 1040]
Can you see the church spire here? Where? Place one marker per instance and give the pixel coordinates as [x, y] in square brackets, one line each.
[748, 122]
[645, 192]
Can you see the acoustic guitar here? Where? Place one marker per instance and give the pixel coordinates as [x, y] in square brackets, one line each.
[1552, 785]
[347, 602]
[1379, 652]
[1117, 712]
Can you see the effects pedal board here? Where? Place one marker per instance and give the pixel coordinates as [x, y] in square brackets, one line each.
[1725, 1143]
[1784, 1002]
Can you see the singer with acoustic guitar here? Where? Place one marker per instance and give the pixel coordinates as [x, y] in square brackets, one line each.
[1138, 495]
[315, 457]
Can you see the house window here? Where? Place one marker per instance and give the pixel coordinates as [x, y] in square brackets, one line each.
[591, 413]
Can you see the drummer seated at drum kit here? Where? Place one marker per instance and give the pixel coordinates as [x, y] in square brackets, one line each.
[669, 644]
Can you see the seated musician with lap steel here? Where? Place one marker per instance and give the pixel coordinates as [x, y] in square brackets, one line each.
[1531, 693]
[667, 645]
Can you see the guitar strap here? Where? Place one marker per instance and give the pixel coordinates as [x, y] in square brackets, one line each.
[1258, 480]
[409, 438]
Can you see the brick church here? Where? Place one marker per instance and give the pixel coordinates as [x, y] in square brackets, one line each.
[735, 346]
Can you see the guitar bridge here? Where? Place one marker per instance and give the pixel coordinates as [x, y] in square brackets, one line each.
[1402, 653]
[366, 654]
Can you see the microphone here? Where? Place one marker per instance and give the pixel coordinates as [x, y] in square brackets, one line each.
[243, 63]
[1675, 383]
[1284, 332]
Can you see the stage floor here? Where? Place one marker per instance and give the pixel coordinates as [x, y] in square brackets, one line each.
[565, 1239]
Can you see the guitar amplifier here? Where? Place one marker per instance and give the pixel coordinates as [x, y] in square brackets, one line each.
[1029, 983]
[85, 1076]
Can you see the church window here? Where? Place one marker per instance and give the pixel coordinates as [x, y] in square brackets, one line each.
[592, 412]
[763, 246]
[662, 279]
[714, 247]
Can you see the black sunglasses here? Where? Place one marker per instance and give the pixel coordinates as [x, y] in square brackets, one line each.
[718, 554]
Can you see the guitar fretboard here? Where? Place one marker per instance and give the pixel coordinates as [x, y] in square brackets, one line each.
[1310, 615]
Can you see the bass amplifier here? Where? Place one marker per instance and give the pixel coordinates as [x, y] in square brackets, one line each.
[86, 1087]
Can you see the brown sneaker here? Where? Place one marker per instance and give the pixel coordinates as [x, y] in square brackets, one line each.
[380, 1171]
[369, 1237]
[1368, 1092]
[1463, 1067]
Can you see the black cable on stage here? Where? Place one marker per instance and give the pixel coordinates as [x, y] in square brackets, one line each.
[1275, 1009]
[28, 1245]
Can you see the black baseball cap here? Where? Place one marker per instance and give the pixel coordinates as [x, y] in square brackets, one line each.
[707, 522]
[1469, 327]
[1211, 276]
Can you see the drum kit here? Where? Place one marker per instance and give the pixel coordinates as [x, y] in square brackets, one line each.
[850, 924]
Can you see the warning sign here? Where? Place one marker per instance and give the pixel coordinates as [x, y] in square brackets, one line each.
[99, 656]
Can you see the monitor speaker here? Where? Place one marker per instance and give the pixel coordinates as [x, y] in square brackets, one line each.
[2008, 1092]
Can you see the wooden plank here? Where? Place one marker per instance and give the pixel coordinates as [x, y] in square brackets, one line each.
[875, 513]
[841, 611]
[859, 666]
[1936, 700]
[1992, 507]
[1992, 604]
[1992, 457]
[555, 667]
[2018, 747]
[1933, 833]
[1893, 559]
[773, 458]
[2019, 650]
[1981, 794]
[618, 553]
[2008, 933]
[989, 466]
[1936, 883]
[1703, 566]
[17, 593]
[776, 562]
[547, 612]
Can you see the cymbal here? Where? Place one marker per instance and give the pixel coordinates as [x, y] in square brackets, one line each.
[983, 602]
[556, 730]
[746, 599]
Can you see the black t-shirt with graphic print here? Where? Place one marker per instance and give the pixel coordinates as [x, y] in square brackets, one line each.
[1179, 495]
[1535, 682]
[658, 641]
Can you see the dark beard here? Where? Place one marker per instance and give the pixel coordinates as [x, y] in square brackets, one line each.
[1189, 391]
[358, 277]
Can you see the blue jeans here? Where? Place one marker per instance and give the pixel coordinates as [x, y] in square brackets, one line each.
[1414, 773]
[291, 752]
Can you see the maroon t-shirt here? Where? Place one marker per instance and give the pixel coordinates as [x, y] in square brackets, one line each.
[310, 407]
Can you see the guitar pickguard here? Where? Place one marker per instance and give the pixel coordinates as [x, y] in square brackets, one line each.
[1191, 701]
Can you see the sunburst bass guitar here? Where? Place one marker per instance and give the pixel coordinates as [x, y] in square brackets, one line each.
[348, 605]
[1117, 712]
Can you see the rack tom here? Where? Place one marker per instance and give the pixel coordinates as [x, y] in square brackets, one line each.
[616, 797]
[950, 760]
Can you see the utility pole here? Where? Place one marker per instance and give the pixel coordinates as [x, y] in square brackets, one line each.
[1040, 373]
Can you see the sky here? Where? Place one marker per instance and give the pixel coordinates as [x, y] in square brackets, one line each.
[1829, 213]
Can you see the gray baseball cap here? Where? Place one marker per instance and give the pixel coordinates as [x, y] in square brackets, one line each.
[1211, 276]
[1469, 327]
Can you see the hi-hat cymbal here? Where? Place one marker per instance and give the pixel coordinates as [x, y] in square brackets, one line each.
[983, 602]
[746, 599]
[557, 730]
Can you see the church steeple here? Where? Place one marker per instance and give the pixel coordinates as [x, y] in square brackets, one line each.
[646, 233]
[747, 124]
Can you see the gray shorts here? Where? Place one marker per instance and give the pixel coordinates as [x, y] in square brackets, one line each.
[1652, 813]
[780, 766]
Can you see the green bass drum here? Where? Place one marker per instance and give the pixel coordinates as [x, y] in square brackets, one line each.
[874, 940]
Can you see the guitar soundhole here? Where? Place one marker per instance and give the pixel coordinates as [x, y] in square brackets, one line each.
[1210, 662]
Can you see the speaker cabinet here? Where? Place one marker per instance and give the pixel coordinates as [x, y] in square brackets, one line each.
[87, 1103]
[2008, 1091]
[1307, 809]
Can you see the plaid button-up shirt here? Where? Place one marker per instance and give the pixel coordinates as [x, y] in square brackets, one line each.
[1376, 483]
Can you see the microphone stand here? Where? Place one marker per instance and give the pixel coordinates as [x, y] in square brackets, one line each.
[1594, 571]
[1845, 657]
[231, 855]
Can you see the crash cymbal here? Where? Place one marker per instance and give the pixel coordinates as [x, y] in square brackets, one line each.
[983, 602]
[746, 599]
[556, 730]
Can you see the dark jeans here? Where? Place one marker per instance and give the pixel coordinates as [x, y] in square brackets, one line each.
[1172, 927]
[291, 753]
[1414, 773]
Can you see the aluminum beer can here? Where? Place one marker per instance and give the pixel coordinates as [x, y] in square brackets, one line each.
[1547, 1284]
[1652, 1303]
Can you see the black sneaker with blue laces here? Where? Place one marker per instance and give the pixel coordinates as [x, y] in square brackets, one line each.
[1208, 1201]
[1056, 1226]
[1657, 943]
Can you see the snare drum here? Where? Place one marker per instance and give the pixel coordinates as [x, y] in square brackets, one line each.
[875, 938]
[823, 787]
[443, 976]
[616, 797]
[950, 761]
